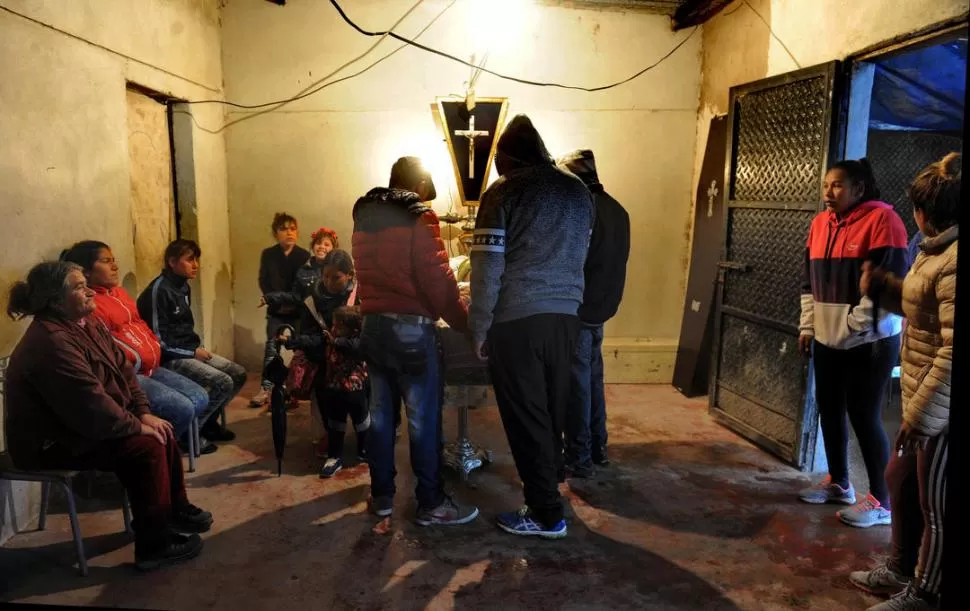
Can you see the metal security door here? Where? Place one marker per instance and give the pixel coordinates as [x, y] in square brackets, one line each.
[781, 134]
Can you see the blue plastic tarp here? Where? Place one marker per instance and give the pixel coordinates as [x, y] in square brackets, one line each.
[921, 90]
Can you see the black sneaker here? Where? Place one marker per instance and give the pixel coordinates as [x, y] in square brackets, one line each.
[600, 457]
[580, 471]
[207, 447]
[217, 433]
[173, 549]
[191, 519]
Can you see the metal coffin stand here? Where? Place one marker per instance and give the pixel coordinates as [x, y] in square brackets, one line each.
[462, 369]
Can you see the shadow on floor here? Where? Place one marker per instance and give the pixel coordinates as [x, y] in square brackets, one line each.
[328, 549]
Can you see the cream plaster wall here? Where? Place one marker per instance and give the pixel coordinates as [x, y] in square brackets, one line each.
[316, 156]
[64, 149]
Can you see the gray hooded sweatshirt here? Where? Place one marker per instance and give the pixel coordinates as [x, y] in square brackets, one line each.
[531, 235]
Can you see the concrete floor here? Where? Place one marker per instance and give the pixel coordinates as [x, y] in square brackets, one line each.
[688, 517]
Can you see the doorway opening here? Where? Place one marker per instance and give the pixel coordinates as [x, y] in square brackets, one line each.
[906, 109]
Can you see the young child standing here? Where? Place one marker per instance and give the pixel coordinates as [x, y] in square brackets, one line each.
[335, 288]
[344, 388]
[278, 266]
[917, 469]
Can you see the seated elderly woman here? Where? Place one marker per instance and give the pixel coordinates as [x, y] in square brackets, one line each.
[73, 403]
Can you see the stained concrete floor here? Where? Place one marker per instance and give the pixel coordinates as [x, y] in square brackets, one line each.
[689, 516]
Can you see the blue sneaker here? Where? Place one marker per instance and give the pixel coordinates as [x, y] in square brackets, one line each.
[826, 491]
[331, 467]
[523, 524]
[867, 513]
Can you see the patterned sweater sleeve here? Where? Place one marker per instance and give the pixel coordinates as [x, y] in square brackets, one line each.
[488, 264]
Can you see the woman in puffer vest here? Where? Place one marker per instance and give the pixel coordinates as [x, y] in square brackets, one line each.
[917, 470]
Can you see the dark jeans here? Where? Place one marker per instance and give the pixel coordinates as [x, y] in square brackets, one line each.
[529, 363]
[586, 412]
[402, 361]
[917, 485]
[222, 378]
[854, 382]
[273, 323]
[150, 472]
[340, 404]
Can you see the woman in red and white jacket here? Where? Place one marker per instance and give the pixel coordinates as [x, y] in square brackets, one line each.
[855, 344]
[171, 396]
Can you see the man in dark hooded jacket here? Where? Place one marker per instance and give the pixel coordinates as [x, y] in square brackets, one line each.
[530, 243]
[605, 273]
[406, 285]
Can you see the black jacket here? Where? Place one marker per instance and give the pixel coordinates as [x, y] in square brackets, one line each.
[309, 338]
[609, 248]
[277, 272]
[166, 305]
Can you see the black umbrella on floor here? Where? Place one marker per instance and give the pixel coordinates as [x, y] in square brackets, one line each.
[276, 371]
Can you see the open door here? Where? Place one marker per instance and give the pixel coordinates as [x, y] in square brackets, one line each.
[781, 133]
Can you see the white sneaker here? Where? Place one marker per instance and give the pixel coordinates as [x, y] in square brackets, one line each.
[867, 513]
[880, 581]
[907, 600]
[826, 491]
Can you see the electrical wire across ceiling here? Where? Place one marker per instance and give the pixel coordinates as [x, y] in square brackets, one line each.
[319, 85]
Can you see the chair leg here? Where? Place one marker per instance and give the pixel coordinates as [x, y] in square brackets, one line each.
[45, 495]
[198, 438]
[82, 560]
[193, 431]
[126, 510]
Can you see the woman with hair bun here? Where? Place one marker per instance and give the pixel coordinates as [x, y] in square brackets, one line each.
[917, 472]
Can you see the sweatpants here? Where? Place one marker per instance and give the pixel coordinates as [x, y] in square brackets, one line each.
[340, 404]
[917, 486]
[854, 382]
[529, 361]
[150, 472]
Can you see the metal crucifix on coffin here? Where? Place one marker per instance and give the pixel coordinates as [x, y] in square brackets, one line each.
[476, 131]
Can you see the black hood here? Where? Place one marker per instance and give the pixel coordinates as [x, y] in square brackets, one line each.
[400, 198]
[520, 146]
[582, 164]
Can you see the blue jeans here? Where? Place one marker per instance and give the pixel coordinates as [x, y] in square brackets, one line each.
[174, 398]
[221, 378]
[586, 412]
[402, 361]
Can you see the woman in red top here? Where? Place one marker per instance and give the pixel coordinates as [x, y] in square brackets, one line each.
[854, 342]
[171, 396]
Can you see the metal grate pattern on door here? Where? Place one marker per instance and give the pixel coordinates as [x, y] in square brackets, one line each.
[772, 242]
[779, 136]
[897, 157]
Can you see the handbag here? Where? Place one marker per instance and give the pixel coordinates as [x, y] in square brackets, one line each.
[303, 371]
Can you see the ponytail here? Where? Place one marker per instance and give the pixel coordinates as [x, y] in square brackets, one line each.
[42, 291]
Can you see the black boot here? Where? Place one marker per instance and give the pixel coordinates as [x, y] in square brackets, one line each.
[212, 431]
[600, 457]
[167, 549]
[191, 519]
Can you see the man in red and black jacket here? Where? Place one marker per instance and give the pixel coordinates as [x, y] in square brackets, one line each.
[406, 285]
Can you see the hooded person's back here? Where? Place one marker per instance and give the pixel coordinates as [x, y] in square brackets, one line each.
[609, 247]
[531, 235]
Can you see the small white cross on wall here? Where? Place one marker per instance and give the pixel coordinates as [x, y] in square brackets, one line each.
[471, 134]
[712, 192]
